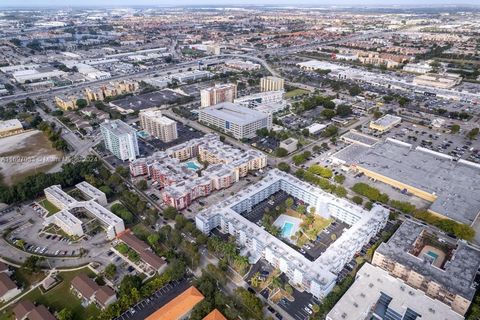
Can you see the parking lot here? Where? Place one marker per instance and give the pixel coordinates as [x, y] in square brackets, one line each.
[185, 133]
[301, 307]
[157, 300]
[258, 210]
[314, 249]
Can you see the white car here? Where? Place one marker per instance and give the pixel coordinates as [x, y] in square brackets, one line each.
[308, 310]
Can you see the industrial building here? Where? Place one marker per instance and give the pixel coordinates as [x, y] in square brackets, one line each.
[79, 217]
[317, 277]
[217, 94]
[447, 182]
[377, 295]
[233, 119]
[120, 139]
[444, 268]
[157, 125]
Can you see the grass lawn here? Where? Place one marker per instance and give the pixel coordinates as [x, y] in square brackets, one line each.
[295, 93]
[60, 297]
[49, 207]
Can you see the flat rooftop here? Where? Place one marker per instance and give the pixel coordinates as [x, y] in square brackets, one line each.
[387, 120]
[355, 136]
[458, 273]
[371, 283]
[117, 127]
[147, 100]
[453, 182]
[234, 113]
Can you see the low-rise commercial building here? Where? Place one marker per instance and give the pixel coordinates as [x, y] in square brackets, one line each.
[79, 217]
[193, 75]
[289, 144]
[377, 295]
[242, 65]
[447, 182]
[10, 128]
[35, 75]
[444, 81]
[120, 139]
[157, 125]
[217, 94]
[240, 122]
[443, 268]
[271, 83]
[317, 277]
[385, 123]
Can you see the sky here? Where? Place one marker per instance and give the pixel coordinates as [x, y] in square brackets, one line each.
[86, 3]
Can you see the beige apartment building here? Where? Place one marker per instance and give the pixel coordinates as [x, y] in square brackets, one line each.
[66, 102]
[438, 265]
[157, 125]
[110, 90]
[217, 94]
[271, 84]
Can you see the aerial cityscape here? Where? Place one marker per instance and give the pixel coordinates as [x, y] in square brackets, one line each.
[225, 160]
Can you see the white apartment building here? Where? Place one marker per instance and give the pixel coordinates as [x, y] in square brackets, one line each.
[79, 217]
[317, 277]
[120, 139]
[217, 94]
[271, 83]
[240, 122]
[157, 125]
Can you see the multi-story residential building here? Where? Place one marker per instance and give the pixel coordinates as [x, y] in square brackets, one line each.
[385, 123]
[271, 83]
[110, 90]
[10, 128]
[217, 94]
[157, 125]
[78, 217]
[317, 277]
[240, 122]
[180, 182]
[66, 102]
[377, 295]
[120, 139]
[443, 268]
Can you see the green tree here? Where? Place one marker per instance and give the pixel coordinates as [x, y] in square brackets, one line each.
[344, 110]
[289, 202]
[281, 152]
[472, 134]
[170, 213]
[284, 166]
[65, 314]
[110, 271]
[357, 200]
[142, 185]
[455, 128]
[81, 103]
[153, 240]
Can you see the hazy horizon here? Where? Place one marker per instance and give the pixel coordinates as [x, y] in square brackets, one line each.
[172, 3]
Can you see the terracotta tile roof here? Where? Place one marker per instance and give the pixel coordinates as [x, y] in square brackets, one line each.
[6, 284]
[86, 286]
[215, 315]
[179, 306]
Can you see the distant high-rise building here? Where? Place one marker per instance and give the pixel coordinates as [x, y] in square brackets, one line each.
[120, 139]
[217, 94]
[271, 84]
[157, 125]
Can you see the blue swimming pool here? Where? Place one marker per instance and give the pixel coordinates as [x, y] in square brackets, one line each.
[287, 229]
[433, 255]
[192, 165]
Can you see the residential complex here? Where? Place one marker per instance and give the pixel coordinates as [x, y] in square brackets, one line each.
[25, 309]
[77, 218]
[180, 182]
[443, 268]
[427, 174]
[89, 291]
[242, 65]
[375, 294]
[217, 94]
[233, 119]
[157, 125]
[271, 84]
[180, 307]
[120, 139]
[317, 277]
